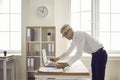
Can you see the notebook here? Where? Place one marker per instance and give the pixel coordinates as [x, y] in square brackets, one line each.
[46, 62]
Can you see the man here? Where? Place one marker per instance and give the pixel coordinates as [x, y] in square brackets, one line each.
[84, 43]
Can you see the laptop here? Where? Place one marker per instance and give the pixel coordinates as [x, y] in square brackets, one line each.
[46, 62]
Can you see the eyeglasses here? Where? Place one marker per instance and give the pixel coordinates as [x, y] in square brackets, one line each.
[65, 33]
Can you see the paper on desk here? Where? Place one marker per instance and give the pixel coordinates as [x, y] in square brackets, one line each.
[50, 69]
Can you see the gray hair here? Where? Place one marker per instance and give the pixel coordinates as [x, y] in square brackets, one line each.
[65, 26]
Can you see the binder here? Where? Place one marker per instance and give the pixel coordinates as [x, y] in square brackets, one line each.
[30, 34]
[51, 49]
[30, 63]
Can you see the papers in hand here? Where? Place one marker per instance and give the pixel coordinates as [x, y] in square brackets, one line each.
[50, 69]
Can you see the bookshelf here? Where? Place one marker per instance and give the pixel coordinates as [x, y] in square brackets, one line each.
[38, 38]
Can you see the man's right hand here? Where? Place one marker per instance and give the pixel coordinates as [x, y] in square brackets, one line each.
[54, 59]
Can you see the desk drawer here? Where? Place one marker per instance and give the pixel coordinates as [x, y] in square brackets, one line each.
[55, 79]
[65, 79]
[61, 78]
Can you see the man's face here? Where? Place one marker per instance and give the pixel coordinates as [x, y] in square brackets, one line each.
[67, 33]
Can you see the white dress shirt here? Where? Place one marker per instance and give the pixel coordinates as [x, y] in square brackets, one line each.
[83, 42]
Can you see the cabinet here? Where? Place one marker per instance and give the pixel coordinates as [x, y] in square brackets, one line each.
[38, 38]
[7, 67]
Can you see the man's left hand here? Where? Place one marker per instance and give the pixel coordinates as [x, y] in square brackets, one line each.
[62, 65]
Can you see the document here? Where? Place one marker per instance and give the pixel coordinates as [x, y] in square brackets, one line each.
[50, 69]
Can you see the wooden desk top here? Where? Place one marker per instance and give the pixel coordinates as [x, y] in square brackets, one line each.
[77, 69]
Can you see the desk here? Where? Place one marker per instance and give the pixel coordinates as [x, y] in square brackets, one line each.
[7, 63]
[76, 71]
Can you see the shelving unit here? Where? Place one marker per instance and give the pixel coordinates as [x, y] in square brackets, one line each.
[38, 38]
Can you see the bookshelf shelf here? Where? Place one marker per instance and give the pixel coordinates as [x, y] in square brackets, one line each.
[38, 38]
[33, 56]
[40, 41]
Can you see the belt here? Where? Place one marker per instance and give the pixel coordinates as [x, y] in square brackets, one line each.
[100, 49]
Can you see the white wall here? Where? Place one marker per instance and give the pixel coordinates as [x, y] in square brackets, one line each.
[34, 18]
[58, 15]
[61, 18]
[20, 61]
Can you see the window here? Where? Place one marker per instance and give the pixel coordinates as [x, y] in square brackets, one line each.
[99, 18]
[10, 25]
[81, 15]
[109, 24]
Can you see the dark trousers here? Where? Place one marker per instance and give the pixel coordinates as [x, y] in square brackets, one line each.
[98, 64]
